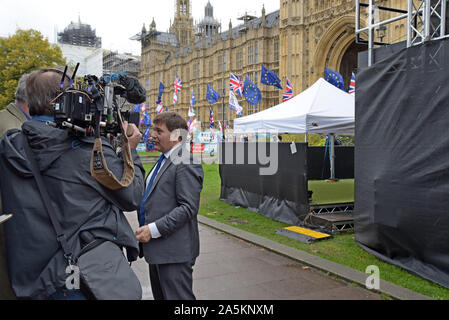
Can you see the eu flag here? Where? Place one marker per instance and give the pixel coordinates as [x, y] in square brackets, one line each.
[334, 78]
[270, 78]
[147, 119]
[161, 91]
[212, 95]
[251, 92]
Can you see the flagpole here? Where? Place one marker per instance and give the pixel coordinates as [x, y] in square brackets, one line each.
[229, 112]
[223, 105]
[332, 158]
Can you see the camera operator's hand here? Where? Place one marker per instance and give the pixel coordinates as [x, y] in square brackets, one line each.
[133, 133]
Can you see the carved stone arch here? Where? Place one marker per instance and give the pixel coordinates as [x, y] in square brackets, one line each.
[334, 43]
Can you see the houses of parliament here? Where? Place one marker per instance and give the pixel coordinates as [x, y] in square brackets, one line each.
[296, 42]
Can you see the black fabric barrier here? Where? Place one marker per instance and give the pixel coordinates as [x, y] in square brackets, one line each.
[318, 166]
[401, 160]
[281, 197]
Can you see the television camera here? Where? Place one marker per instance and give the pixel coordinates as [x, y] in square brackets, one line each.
[90, 108]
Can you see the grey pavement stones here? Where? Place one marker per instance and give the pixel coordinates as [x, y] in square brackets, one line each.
[230, 268]
[233, 269]
[318, 263]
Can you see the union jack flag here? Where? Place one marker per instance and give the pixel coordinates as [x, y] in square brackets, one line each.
[211, 118]
[352, 84]
[178, 85]
[288, 94]
[175, 97]
[236, 84]
[159, 108]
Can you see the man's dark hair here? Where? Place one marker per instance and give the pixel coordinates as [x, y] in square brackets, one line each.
[42, 87]
[172, 120]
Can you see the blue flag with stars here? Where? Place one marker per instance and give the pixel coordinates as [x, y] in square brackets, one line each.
[251, 92]
[334, 78]
[161, 91]
[270, 78]
[212, 95]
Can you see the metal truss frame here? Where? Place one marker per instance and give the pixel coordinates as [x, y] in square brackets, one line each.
[334, 218]
[426, 20]
[331, 208]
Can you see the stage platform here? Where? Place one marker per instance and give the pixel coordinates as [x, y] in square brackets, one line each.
[333, 218]
[331, 205]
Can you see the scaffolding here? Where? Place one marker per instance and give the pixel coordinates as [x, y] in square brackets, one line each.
[79, 34]
[426, 20]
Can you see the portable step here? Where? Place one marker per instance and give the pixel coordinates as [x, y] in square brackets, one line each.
[303, 234]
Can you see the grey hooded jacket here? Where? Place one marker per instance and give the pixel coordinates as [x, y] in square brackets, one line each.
[36, 264]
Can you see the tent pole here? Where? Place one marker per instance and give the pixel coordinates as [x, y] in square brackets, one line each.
[332, 159]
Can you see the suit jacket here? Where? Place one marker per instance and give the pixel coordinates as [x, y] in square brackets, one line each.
[173, 205]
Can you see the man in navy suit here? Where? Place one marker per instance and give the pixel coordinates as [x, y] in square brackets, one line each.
[168, 213]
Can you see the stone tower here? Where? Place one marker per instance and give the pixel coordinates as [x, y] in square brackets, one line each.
[183, 23]
[209, 24]
[314, 35]
[292, 42]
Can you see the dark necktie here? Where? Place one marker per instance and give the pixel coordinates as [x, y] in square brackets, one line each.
[148, 189]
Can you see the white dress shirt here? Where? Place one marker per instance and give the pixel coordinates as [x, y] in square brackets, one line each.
[153, 229]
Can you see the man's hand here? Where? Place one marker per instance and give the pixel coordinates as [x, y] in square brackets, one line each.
[133, 133]
[143, 235]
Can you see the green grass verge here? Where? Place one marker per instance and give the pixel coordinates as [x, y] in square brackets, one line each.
[149, 154]
[341, 249]
[325, 192]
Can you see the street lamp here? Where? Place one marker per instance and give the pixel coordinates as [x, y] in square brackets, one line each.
[381, 32]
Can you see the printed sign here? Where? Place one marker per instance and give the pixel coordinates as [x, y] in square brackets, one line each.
[141, 147]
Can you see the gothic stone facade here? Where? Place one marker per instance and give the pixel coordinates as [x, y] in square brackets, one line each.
[298, 41]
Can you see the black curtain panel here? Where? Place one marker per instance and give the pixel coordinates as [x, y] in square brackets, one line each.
[402, 160]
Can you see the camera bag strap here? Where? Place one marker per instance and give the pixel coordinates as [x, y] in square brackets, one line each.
[99, 168]
[47, 202]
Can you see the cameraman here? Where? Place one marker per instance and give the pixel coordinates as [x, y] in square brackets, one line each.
[36, 263]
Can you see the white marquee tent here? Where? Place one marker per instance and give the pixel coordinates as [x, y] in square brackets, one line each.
[322, 108]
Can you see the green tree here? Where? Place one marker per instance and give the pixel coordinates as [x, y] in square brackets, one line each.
[25, 51]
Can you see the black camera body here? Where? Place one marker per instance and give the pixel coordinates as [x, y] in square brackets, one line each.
[92, 108]
[74, 107]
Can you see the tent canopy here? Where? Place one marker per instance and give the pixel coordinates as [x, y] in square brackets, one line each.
[322, 108]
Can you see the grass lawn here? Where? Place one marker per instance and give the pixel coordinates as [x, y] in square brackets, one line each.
[325, 192]
[149, 154]
[340, 249]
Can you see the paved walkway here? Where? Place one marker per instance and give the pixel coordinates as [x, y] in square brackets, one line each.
[232, 269]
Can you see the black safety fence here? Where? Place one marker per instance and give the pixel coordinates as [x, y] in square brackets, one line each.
[401, 160]
[270, 179]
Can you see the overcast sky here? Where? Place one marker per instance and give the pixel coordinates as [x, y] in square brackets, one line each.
[116, 21]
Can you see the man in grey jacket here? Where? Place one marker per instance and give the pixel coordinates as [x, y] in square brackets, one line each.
[36, 262]
[12, 117]
[16, 112]
[168, 213]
